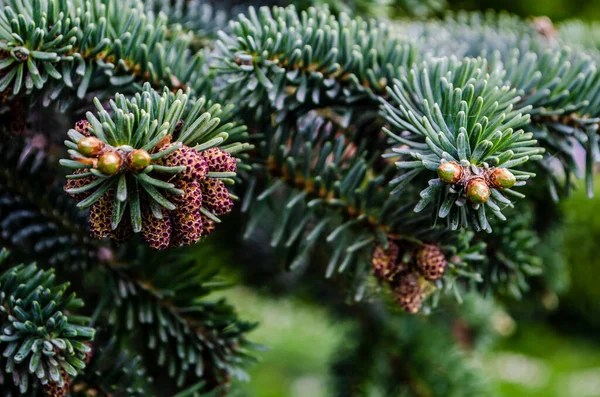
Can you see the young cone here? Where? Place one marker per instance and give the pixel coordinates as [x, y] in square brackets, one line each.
[138, 159]
[501, 178]
[449, 172]
[208, 226]
[478, 191]
[187, 228]
[90, 146]
[83, 127]
[110, 163]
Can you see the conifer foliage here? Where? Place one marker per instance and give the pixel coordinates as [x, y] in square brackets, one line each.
[403, 161]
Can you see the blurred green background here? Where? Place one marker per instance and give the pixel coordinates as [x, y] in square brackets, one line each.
[551, 347]
[555, 9]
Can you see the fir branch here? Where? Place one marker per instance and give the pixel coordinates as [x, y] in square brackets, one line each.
[325, 195]
[556, 80]
[512, 257]
[454, 111]
[152, 158]
[87, 45]
[309, 59]
[43, 341]
[112, 372]
[180, 331]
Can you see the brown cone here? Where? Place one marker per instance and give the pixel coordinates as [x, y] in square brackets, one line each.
[216, 196]
[53, 389]
[408, 292]
[156, 232]
[195, 165]
[83, 127]
[430, 261]
[219, 160]
[208, 226]
[75, 183]
[187, 228]
[384, 261]
[101, 216]
[187, 220]
[191, 199]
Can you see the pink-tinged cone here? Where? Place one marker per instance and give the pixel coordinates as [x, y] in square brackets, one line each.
[195, 165]
[208, 226]
[187, 219]
[219, 160]
[156, 232]
[216, 196]
[83, 127]
[383, 262]
[187, 228]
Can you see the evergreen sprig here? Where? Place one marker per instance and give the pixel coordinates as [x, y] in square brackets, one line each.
[113, 371]
[308, 59]
[184, 334]
[553, 69]
[451, 110]
[41, 340]
[135, 156]
[327, 199]
[474, 114]
[87, 45]
[512, 257]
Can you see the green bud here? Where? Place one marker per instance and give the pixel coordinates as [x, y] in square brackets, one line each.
[139, 159]
[478, 191]
[450, 172]
[90, 146]
[501, 178]
[110, 163]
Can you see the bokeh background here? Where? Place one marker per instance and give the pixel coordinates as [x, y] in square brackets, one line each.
[547, 347]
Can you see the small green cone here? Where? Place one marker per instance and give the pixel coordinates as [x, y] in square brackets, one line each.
[449, 172]
[90, 146]
[501, 178]
[109, 163]
[478, 191]
[139, 159]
